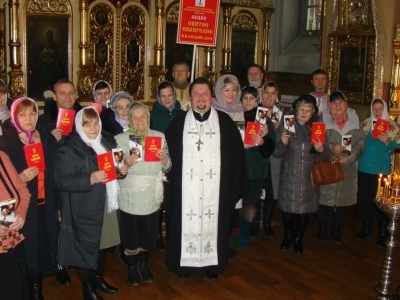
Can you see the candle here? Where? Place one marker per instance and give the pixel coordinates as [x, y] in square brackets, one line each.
[378, 192]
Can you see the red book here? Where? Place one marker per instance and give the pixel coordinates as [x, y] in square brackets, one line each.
[97, 106]
[151, 145]
[318, 131]
[65, 120]
[105, 162]
[251, 128]
[381, 126]
[34, 156]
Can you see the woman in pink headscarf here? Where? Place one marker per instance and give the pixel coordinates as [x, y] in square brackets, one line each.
[41, 223]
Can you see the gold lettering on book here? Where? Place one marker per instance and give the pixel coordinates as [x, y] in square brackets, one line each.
[35, 158]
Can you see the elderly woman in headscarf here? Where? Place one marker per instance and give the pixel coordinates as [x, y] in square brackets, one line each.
[227, 97]
[115, 118]
[257, 167]
[85, 196]
[166, 108]
[41, 227]
[375, 160]
[141, 194]
[340, 120]
[102, 92]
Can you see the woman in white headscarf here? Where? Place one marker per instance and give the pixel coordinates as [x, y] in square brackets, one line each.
[375, 160]
[84, 198]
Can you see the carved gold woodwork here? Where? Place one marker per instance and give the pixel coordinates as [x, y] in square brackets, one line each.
[395, 81]
[227, 37]
[267, 13]
[2, 41]
[351, 51]
[173, 13]
[249, 3]
[49, 6]
[15, 86]
[84, 84]
[132, 35]
[101, 50]
[157, 70]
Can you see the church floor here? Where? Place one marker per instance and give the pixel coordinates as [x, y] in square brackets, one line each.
[325, 271]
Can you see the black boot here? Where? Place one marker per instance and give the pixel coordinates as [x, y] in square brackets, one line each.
[133, 267]
[322, 231]
[383, 234]
[88, 285]
[144, 266]
[35, 286]
[61, 275]
[267, 217]
[336, 238]
[300, 228]
[288, 223]
[99, 281]
[365, 231]
[160, 241]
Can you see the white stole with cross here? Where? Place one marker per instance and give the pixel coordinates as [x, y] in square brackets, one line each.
[201, 171]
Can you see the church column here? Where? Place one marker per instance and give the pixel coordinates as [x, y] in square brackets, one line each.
[84, 86]
[227, 36]
[267, 13]
[16, 85]
[157, 71]
[2, 39]
[208, 68]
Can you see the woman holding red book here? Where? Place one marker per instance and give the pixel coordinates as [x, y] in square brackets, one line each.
[373, 161]
[41, 226]
[257, 166]
[141, 194]
[296, 196]
[86, 195]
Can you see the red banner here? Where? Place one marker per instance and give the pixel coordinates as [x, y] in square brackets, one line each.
[198, 22]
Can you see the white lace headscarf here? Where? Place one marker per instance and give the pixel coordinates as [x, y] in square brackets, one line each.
[112, 187]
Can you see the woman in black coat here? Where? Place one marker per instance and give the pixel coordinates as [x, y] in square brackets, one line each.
[41, 227]
[83, 195]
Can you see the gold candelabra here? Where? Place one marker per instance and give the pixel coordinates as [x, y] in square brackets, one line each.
[388, 200]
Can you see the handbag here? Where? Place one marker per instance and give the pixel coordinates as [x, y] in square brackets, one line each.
[326, 172]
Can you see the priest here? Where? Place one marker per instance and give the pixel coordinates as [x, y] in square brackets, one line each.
[207, 179]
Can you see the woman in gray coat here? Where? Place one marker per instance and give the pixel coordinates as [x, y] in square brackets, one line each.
[342, 124]
[296, 196]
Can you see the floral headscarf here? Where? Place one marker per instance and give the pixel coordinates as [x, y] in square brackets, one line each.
[131, 128]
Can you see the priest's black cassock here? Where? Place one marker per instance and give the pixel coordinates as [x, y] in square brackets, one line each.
[233, 179]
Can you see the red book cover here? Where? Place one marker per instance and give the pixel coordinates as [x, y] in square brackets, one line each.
[34, 156]
[381, 126]
[251, 128]
[318, 131]
[65, 120]
[105, 162]
[151, 145]
[97, 106]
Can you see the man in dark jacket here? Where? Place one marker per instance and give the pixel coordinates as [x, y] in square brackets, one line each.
[64, 97]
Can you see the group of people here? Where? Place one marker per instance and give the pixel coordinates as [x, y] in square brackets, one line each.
[204, 182]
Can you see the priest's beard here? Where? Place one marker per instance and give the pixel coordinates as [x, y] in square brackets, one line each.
[255, 83]
[201, 108]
